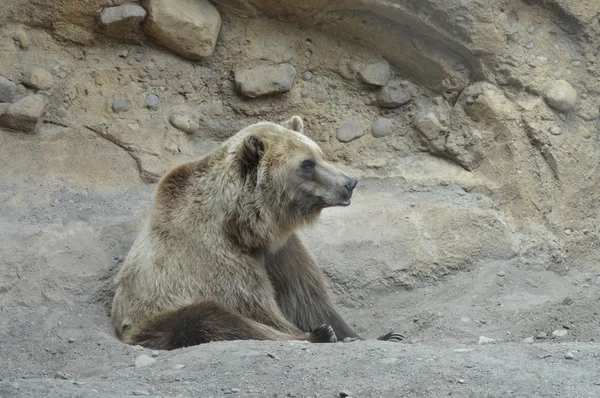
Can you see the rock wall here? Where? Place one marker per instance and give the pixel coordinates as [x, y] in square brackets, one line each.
[499, 98]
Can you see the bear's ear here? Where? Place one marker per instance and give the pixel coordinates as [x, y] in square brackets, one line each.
[251, 153]
[294, 123]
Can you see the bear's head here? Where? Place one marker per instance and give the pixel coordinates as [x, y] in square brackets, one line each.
[286, 181]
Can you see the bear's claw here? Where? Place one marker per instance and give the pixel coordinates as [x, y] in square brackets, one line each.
[392, 337]
[323, 334]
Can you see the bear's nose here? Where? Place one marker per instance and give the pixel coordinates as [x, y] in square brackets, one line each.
[351, 183]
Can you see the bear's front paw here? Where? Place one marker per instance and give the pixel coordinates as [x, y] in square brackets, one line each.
[323, 334]
[393, 337]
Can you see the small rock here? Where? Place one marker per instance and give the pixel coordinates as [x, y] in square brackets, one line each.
[559, 333]
[555, 130]
[576, 63]
[530, 45]
[381, 127]
[376, 74]
[306, 76]
[153, 74]
[178, 366]
[541, 336]
[71, 340]
[349, 131]
[501, 273]
[265, 79]
[459, 67]
[152, 101]
[24, 115]
[485, 340]
[528, 340]
[461, 381]
[39, 79]
[184, 121]
[22, 39]
[430, 126]
[388, 361]
[583, 132]
[561, 95]
[8, 90]
[568, 231]
[531, 29]
[287, 56]
[60, 375]
[569, 355]
[143, 361]
[235, 390]
[391, 99]
[188, 87]
[542, 60]
[567, 301]
[119, 106]
[189, 28]
[121, 19]
[140, 392]
[155, 353]
[61, 112]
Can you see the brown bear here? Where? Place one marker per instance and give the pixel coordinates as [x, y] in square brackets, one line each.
[219, 259]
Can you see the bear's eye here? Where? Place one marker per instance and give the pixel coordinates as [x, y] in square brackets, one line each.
[308, 165]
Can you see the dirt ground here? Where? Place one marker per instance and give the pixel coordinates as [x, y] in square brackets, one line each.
[55, 338]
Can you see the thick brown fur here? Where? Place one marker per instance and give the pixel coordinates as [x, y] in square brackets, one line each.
[218, 258]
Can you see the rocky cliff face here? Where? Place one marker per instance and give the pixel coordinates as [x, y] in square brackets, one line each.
[497, 98]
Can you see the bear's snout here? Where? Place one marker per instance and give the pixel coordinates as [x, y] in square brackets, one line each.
[351, 183]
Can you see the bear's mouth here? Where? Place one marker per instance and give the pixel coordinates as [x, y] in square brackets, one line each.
[345, 202]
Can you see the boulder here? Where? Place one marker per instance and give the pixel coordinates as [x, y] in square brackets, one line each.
[121, 19]
[24, 115]
[187, 27]
[265, 79]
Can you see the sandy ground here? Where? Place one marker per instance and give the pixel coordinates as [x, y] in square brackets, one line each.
[60, 244]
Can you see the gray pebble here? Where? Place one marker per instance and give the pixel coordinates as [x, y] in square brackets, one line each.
[8, 90]
[234, 390]
[349, 131]
[152, 100]
[139, 56]
[287, 56]
[501, 273]
[461, 193]
[559, 333]
[528, 340]
[541, 336]
[555, 130]
[576, 63]
[531, 29]
[569, 355]
[478, 197]
[459, 67]
[306, 76]
[119, 106]
[143, 361]
[381, 127]
[530, 46]
[542, 60]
